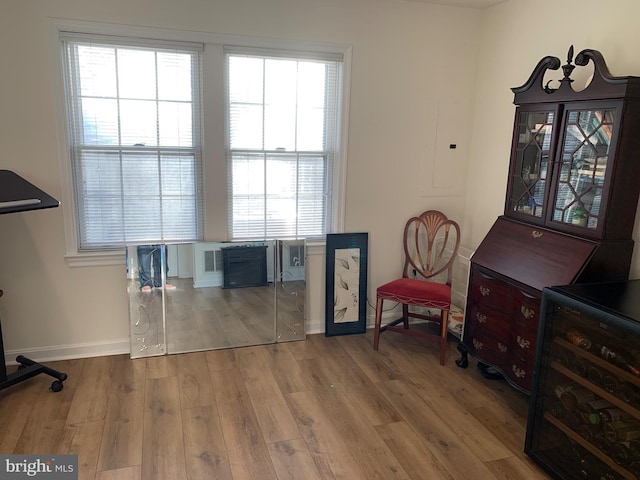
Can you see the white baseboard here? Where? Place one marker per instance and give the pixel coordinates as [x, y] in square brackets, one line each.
[318, 325]
[314, 326]
[118, 347]
[68, 352]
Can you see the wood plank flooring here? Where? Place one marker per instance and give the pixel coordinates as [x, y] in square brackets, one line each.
[323, 408]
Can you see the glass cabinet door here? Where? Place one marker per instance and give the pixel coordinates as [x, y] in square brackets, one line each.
[582, 166]
[584, 412]
[530, 168]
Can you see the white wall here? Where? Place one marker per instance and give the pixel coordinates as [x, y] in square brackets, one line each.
[410, 60]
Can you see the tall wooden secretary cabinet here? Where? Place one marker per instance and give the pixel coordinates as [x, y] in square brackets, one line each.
[572, 194]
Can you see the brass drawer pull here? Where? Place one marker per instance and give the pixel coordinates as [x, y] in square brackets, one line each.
[526, 312]
[523, 342]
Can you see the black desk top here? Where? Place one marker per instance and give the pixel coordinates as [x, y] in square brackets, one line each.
[616, 298]
[18, 195]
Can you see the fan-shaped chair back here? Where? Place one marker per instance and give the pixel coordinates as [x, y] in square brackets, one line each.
[431, 243]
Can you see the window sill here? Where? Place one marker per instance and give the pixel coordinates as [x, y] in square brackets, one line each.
[314, 246]
[95, 259]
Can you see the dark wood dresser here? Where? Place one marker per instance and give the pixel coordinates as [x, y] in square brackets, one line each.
[572, 194]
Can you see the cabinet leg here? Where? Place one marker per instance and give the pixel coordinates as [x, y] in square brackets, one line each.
[463, 361]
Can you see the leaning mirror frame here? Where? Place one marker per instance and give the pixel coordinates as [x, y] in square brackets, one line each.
[183, 299]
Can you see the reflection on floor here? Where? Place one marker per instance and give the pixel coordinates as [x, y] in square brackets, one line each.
[212, 317]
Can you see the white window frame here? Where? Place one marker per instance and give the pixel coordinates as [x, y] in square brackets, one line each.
[328, 152]
[160, 208]
[212, 100]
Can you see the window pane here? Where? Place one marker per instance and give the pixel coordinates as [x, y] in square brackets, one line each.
[248, 216]
[280, 104]
[178, 213]
[104, 220]
[310, 129]
[246, 80]
[281, 196]
[248, 174]
[99, 122]
[140, 174]
[248, 200]
[178, 175]
[311, 196]
[99, 173]
[175, 124]
[134, 122]
[138, 122]
[246, 126]
[136, 74]
[281, 175]
[97, 71]
[174, 76]
[142, 217]
[298, 114]
[280, 127]
[311, 106]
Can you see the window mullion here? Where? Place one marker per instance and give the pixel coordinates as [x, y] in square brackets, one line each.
[265, 190]
[158, 155]
[120, 157]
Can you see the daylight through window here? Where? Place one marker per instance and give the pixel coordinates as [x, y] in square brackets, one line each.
[281, 142]
[134, 130]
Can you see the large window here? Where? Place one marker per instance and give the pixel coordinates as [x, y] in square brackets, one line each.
[147, 159]
[282, 112]
[134, 133]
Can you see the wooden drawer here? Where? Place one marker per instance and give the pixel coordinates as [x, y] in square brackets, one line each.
[489, 290]
[520, 371]
[488, 349]
[526, 311]
[480, 317]
[523, 344]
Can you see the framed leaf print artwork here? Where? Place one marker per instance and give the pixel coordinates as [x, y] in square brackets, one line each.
[346, 283]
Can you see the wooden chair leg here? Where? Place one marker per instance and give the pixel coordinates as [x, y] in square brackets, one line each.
[444, 328]
[376, 329]
[405, 315]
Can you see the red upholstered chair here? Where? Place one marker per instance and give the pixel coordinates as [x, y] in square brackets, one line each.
[431, 244]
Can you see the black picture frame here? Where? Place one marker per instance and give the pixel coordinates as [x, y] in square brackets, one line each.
[346, 283]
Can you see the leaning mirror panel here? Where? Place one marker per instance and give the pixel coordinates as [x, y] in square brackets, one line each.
[213, 295]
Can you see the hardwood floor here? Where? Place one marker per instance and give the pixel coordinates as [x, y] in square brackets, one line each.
[324, 408]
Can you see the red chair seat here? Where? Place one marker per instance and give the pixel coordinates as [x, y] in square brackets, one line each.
[416, 292]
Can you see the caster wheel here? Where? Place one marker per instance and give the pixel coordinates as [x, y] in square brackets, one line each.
[56, 386]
